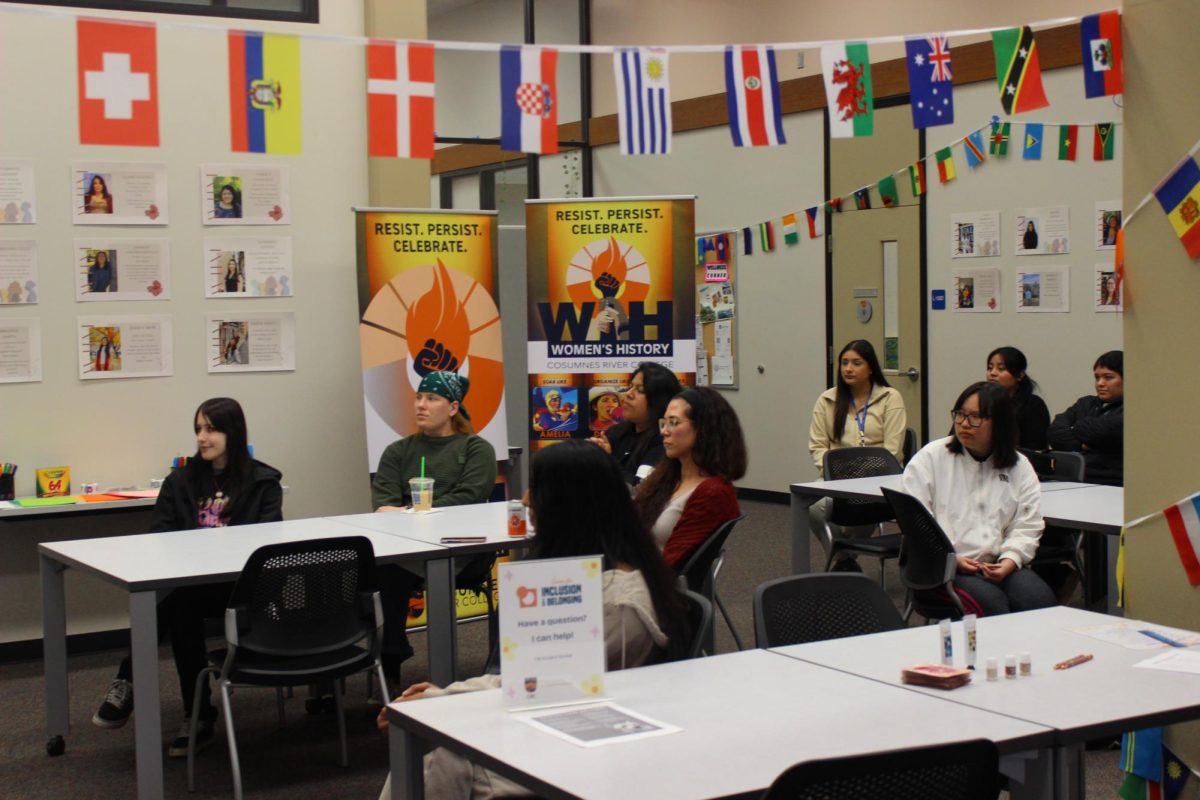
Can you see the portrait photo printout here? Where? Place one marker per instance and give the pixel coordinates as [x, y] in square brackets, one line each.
[111, 193]
[241, 194]
[245, 267]
[259, 342]
[122, 269]
[113, 347]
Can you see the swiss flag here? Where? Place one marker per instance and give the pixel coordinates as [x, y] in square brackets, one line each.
[400, 100]
[118, 83]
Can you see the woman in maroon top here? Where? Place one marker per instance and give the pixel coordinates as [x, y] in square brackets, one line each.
[690, 493]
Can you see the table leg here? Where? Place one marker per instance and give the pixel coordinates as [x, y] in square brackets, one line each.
[1112, 548]
[1030, 774]
[802, 534]
[406, 761]
[143, 626]
[1069, 772]
[439, 610]
[54, 654]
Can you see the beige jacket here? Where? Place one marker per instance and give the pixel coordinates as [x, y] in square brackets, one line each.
[885, 424]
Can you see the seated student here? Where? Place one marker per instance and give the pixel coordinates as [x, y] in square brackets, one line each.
[1006, 368]
[689, 494]
[580, 506]
[862, 410]
[463, 468]
[636, 443]
[987, 499]
[222, 485]
[1095, 425]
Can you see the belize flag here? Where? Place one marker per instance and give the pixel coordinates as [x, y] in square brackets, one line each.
[264, 92]
[752, 96]
[528, 99]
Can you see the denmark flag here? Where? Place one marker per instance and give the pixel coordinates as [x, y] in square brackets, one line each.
[400, 100]
[118, 83]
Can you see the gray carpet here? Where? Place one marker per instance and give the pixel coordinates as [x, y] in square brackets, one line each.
[300, 760]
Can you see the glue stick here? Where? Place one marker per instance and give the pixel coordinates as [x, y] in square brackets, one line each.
[969, 629]
[947, 642]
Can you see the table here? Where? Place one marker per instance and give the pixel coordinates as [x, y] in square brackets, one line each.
[11, 511]
[1103, 697]
[768, 711]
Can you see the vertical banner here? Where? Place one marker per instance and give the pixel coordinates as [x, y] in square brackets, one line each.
[427, 301]
[610, 285]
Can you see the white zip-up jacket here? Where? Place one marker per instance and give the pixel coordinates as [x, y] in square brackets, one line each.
[988, 513]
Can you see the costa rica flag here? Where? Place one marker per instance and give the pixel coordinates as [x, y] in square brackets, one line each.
[752, 96]
[528, 99]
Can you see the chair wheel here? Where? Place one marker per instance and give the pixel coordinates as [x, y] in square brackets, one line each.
[320, 705]
[56, 746]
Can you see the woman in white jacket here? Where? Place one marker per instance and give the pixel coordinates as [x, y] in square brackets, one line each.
[580, 506]
[986, 497]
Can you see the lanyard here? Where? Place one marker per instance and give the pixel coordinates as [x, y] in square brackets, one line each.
[860, 417]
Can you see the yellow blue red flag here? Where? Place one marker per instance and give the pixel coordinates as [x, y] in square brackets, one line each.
[264, 93]
[1179, 196]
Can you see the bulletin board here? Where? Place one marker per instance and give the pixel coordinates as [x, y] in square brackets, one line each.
[716, 310]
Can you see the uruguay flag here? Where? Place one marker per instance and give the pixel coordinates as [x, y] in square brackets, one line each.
[643, 101]
[752, 96]
[528, 99]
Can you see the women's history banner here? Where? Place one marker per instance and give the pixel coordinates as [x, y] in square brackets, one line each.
[610, 286]
[427, 302]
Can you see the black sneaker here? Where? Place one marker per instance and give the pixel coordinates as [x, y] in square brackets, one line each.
[117, 706]
[179, 745]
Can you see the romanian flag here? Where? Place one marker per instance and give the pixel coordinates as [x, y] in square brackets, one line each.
[1179, 196]
[1018, 72]
[945, 162]
[264, 93]
[1183, 519]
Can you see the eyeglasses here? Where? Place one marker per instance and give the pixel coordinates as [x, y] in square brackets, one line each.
[972, 420]
[670, 422]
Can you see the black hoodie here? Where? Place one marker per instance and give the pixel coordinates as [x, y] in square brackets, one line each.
[178, 505]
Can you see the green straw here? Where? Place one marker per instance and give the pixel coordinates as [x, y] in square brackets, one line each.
[422, 466]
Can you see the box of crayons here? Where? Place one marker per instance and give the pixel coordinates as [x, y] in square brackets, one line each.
[939, 676]
[53, 481]
[8, 474]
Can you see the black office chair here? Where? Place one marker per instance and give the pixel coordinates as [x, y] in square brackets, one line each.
[910, 444]
[700, 574]
[960, 771]
[813, 608]
[1060, 545]
[927, 560]
[860, 462]
[700, 619]
[301, 612]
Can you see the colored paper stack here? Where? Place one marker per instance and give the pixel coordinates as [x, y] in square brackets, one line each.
[939, 676]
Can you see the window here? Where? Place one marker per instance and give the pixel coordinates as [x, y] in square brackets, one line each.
[283, 10]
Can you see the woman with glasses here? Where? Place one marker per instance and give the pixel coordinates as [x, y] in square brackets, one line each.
[987, 499]
[690, 493]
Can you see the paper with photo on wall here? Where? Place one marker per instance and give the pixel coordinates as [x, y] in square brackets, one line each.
[258, 267]
[240, 194]
[976, 290]
[112, 193]
[975, 234]
[1108, 221]
[260, 342]
[1042, 231]
[20, 350]
[701, 367]
[715, 302]
[111, 347]
[18, 199]
[122, 269]
[18, 272]
[1108, 294]
[597, 724]
[1044, 289]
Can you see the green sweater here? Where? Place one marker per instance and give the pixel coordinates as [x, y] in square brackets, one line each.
[463, 468]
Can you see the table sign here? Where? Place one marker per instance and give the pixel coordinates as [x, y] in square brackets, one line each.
[551, 631]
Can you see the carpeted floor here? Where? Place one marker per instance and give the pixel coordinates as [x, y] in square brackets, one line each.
[300, 760]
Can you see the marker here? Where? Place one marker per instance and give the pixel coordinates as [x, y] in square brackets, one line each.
[1161, 638]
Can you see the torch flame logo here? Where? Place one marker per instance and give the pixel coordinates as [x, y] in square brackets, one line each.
[612, 261]
[439, 315]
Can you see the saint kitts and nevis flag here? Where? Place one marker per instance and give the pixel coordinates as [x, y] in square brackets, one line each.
[643, 101]
[848, 90]
[528, 99]
[1018, 72]
[264, 93]
[400, 100]
[118, 83]
[1179, 196]
[752, 96]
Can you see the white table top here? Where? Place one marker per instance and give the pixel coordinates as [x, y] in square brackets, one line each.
[850, 487]
[1092, 508]
[1103, 696]
[162, 560]
[479, 519]
[752, 713]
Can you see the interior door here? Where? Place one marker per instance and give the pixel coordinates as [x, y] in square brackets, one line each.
[875, 286]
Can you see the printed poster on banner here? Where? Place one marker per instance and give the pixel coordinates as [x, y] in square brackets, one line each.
[611, 285]
[427, 301]
[552, 631]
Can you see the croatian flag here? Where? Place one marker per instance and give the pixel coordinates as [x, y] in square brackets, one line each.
[643, 101]
[528, 99]
[752, 96]
[1183, 518]
[400, 100]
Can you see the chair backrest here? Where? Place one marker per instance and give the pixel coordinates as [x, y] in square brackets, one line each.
[698, 569]
[859, 462]
[910, 444]
[306, 597]
[927, 558]
[700, 620]
[813, 608]
[1056, 465]
[960, 771]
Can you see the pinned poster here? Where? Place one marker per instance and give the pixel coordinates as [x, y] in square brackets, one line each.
[551, 631]
[248, 267]
[1044, 289]
[262, 342]
[1108, 290]
[122, 269]
[1108, 224]
[18, 272]
[119, 194]
[20, 350]
[977, 290]
[238, 194]
[124, 347]
[975, 234]
[1042, 231]
[18, 202]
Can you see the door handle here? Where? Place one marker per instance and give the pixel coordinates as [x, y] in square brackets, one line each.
[912, 373]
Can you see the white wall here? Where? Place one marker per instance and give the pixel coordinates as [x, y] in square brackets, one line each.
[1061, 348]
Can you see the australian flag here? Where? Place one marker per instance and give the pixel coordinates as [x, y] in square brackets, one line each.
[932, 98]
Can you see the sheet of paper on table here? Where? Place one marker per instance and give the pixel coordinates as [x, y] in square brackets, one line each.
[1128, 634]
[1174, 661]
[597, 724]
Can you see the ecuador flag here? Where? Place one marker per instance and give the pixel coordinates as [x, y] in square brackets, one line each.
[1179, 196]
[264, 92]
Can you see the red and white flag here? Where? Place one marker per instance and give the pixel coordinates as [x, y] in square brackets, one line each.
[400, 100]
[118, 83]
[1183, 519]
